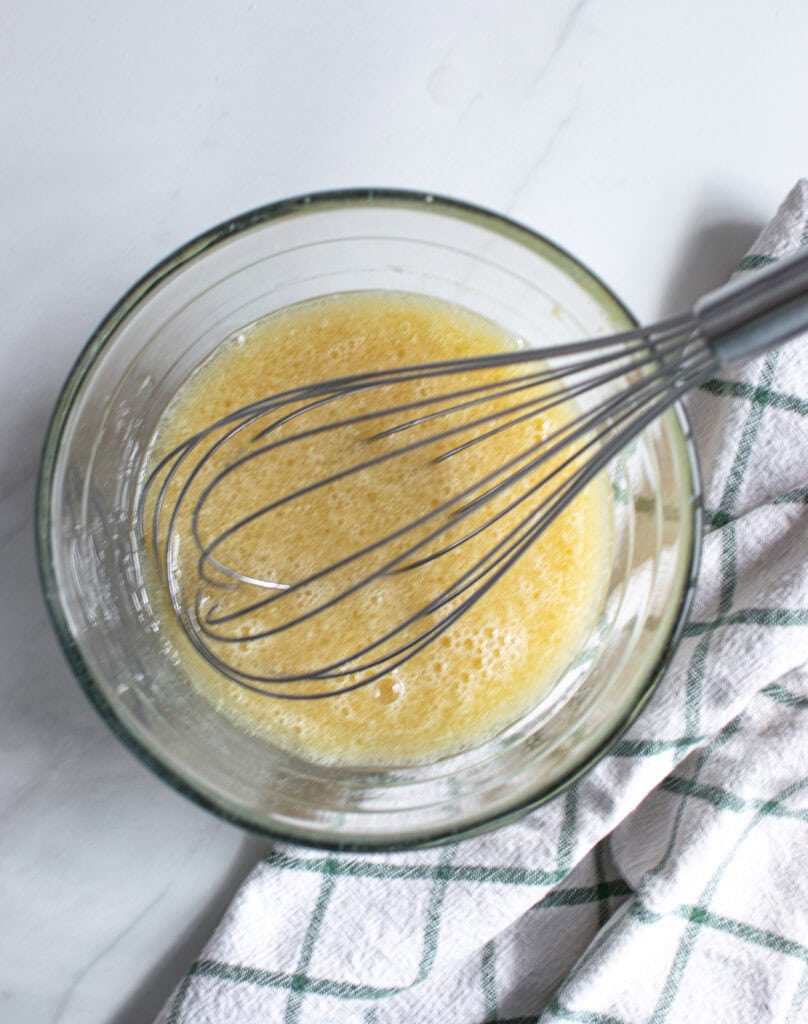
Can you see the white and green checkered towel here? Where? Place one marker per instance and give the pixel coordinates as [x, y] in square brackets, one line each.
[671, 883]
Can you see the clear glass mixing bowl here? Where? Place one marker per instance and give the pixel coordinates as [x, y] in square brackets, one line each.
[91, 563]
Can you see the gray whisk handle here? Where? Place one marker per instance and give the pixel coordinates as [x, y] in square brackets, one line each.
[759, 312]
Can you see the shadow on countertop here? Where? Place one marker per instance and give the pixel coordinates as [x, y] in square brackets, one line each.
[710, 255]
[159, 983]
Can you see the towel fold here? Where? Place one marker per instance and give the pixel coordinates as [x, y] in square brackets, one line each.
[670, 884]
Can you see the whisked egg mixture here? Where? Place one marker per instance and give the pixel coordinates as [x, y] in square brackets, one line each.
[490, 667]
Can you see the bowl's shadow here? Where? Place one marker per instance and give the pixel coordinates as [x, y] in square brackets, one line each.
[707, 259]
[161, 980]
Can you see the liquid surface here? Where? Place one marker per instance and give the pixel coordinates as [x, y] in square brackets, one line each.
[247, 506]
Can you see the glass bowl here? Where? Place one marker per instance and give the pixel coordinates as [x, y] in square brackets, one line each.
[90, 560]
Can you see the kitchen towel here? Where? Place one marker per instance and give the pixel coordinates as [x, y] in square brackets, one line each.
[671, 882]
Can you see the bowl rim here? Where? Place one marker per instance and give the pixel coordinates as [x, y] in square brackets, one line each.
[192, 250]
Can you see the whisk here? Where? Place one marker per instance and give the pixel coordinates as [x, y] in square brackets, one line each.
[400, 420]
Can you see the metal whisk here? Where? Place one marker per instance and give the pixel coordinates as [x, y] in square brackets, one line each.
[403, 419]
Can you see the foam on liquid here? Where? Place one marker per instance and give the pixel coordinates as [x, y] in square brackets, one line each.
[498, 660]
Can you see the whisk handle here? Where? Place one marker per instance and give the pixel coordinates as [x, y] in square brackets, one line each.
[759, 312]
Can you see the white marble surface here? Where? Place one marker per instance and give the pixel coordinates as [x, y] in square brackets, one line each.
[651, 139]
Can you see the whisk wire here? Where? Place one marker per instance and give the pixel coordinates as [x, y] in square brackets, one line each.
[533, 407]
[494, 572]
[530, 409]
[659, 365]
[615, 388]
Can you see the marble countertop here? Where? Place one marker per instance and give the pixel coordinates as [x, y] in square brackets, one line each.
[652, 140]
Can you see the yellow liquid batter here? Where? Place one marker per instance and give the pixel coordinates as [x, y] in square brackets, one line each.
[492, 665]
